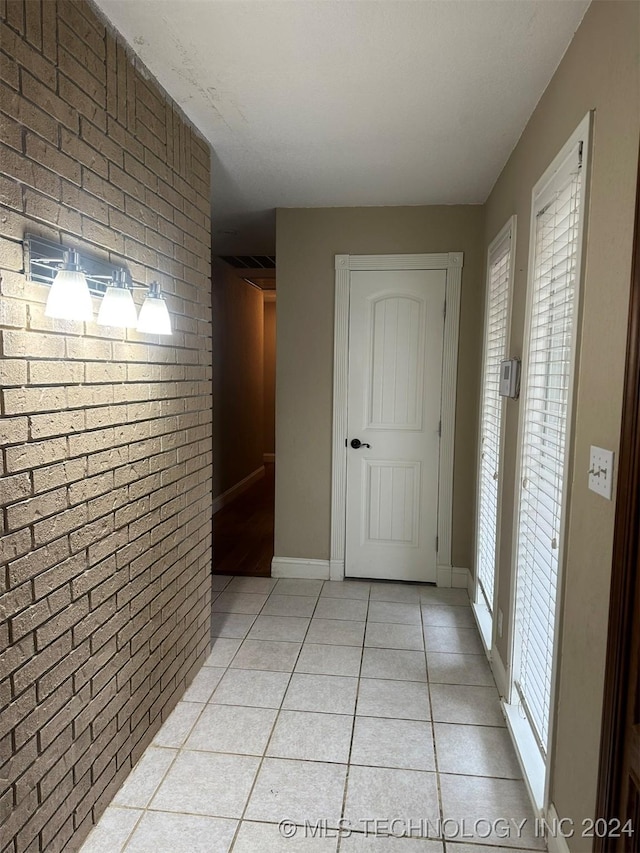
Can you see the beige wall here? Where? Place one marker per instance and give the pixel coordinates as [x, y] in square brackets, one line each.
[238, 377]
[269, 444]
[105, 546]
[599, 72]
[306, 242]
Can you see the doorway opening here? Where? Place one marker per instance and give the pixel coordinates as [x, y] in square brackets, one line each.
[244, 346]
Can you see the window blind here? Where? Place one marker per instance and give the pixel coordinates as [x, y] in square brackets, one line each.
[495, 342]
[546, 399]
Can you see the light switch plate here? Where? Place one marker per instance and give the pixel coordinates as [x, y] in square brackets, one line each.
[601, 471]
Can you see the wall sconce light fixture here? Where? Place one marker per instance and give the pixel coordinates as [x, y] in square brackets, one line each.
[75, 276]
[154, 314]
[69, 297]
[117, 307]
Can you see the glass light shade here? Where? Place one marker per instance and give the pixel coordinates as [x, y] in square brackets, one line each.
[117, 308]
[69, 297]
[154, 316]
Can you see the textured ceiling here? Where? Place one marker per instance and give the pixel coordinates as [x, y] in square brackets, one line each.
[348, 102]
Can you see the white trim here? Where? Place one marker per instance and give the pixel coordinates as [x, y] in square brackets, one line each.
[556, 841]
[483, 621]
[235, 491]
[336, 570]
[344, 264]
[582, 132]
[444, 576]
[487, 622]
[293, 567]
[528, 754]
[269, 457]
[499, 671]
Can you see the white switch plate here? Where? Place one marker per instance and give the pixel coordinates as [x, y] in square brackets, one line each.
[601, 471]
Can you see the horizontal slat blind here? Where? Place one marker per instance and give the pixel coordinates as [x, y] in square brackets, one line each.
[546, 402]
[499, 274]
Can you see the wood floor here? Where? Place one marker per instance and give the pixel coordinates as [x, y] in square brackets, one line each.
[243, 531]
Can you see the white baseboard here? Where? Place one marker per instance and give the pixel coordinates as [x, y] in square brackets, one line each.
[232, 493]
[293, 567]
[556, 841]
[460, 578]
[269, 457]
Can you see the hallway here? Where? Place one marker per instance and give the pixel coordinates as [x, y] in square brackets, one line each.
[243, 531]
[356, 702]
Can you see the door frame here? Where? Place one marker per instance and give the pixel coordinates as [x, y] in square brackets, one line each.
[344, 265]
[626, 558]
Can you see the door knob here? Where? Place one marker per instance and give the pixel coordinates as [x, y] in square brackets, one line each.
[356, 443]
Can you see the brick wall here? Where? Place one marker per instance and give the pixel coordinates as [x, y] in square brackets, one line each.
[106, 435]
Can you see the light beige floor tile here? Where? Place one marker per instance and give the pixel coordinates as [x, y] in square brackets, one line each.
[203, 684]
[239, 602]
[446, 616]
[382, 742]
[233, 625]
[112, 831]
[266, 654]
[298, 586]
[394, 664]
[297, 791]
[329, 660]
[475, 751]
[346, 589]
[328, 693]
[391, 611]
[252, 688]
[261, 586]
[144, 779]
[341, 608]
[338, 632]
[290, 629]
[452, 640]
[382, 635]
[219, 582]
[177, 726]
[182, 833]
[455, 703]
[402, 795]
[483, 799]
[311, 737]
[207, 783]
[222, 651]
[231, 728]
[267, 838]
[407, 700]
[289, 605]
[459, 669]
[398, 592]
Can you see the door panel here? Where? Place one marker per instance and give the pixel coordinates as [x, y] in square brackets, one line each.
[396, 327]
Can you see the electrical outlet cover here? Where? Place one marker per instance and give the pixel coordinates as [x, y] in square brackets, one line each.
[601, 471]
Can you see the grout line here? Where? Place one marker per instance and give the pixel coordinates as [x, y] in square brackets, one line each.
[273, 727]
[353, 723]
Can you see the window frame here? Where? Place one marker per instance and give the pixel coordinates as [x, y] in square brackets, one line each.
[486, 620]
[537, 777]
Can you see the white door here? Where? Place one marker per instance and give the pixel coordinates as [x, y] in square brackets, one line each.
[396, 332]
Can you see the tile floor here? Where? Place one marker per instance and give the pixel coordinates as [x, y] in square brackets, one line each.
[354, 704]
